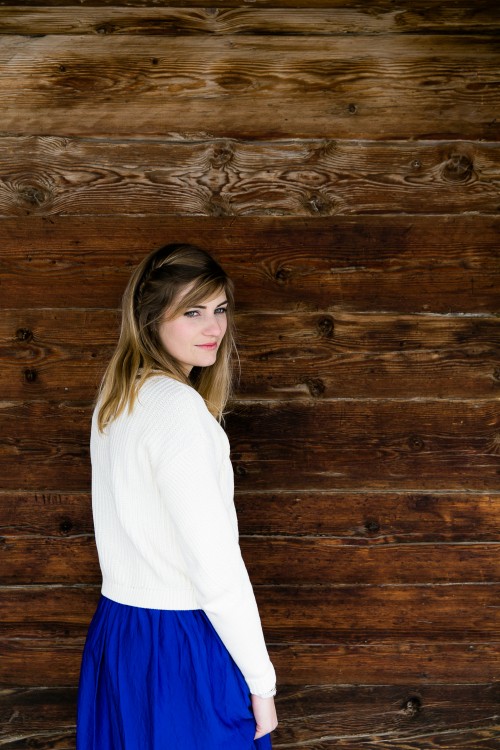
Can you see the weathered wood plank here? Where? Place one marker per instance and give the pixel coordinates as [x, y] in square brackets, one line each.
[48, 175]
[419, 87]
[380, 517]
[29, 560]
[28, 662]
[404, 264]
[317, 614]
[324, 444]
[382, 716]
[410, 444]
[45, 716]
[399, 12]
[457, 714]
[464, 16]
[376, 517]
[343, 355]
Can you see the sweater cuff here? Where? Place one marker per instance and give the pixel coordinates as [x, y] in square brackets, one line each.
[263, 684]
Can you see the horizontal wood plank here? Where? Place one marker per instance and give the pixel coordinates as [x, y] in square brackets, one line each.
[410, 444]
[417, 87]
[464, 16]
[343, 355]
[378, 517]
[398, 263]
[316, 614]
[310, 716]
[27, 662]
[326, 444]
[223, 177]
[279, 562]
[373, 518]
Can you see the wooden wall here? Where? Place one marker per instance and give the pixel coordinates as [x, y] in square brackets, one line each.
[342, 160]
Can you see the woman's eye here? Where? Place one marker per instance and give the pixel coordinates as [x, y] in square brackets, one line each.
[221, 309]
[191, 313]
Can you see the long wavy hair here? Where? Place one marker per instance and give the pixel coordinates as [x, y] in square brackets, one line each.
[156, 291]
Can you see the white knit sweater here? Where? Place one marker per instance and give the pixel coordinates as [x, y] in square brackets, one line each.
[165, 522]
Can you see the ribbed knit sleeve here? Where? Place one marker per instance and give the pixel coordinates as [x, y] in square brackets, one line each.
[183, 457]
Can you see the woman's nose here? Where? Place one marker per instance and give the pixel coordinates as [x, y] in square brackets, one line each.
[214, 326]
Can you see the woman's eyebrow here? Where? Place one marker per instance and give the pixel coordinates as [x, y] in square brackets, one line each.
[204, 307]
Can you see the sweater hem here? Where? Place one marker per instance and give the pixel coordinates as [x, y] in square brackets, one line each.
[181, 598]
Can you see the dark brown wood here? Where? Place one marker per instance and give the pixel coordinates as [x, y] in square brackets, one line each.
[323, 19]
[340, 158]
[318, 614]
[381, 444]
[381, 716]
[399, 264]
[376, 518]
[418, 87]
[323, 444]
[49, 714]
[47, 176]
[56, 662]
[273, 561]
[344, 355]
[457, 714]
[401, 14]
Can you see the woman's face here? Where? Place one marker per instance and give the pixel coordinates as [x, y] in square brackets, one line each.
[194, 337]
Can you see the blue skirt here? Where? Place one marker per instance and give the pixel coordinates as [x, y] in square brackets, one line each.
[156, 679]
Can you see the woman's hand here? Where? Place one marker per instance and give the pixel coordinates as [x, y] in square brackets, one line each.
[264, 712]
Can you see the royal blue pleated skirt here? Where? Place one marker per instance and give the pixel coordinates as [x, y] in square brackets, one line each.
[156, 679]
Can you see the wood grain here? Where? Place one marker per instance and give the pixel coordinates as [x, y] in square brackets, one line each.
[448, 264]
[455, 714]
[344, 355]
[324, 18]
[273, 561]
[319, 614]
[326, 444]
[400, 13]
[47, 176]
[340, 158]
[361, 517]
[417, 87]
[55, 663]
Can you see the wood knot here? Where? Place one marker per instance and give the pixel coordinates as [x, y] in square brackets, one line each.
[24, 334]
[66, 525]
[33, 195]
[317, 204]
[282, 275]
[30, 375]
[411, 707]
[458, 168]
[372, 526]
[352, 109]
[218, 207]
[106, 28]
[240, 470]
[315, 386]
[416, 443]
[326, 327]
[496, 373]
[222, 155]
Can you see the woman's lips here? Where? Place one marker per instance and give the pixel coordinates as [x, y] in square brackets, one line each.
[207, 346]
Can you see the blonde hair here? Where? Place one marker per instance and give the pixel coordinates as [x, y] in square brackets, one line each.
[155, 291]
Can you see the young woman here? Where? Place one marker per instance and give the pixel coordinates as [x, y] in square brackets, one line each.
[175, 657]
